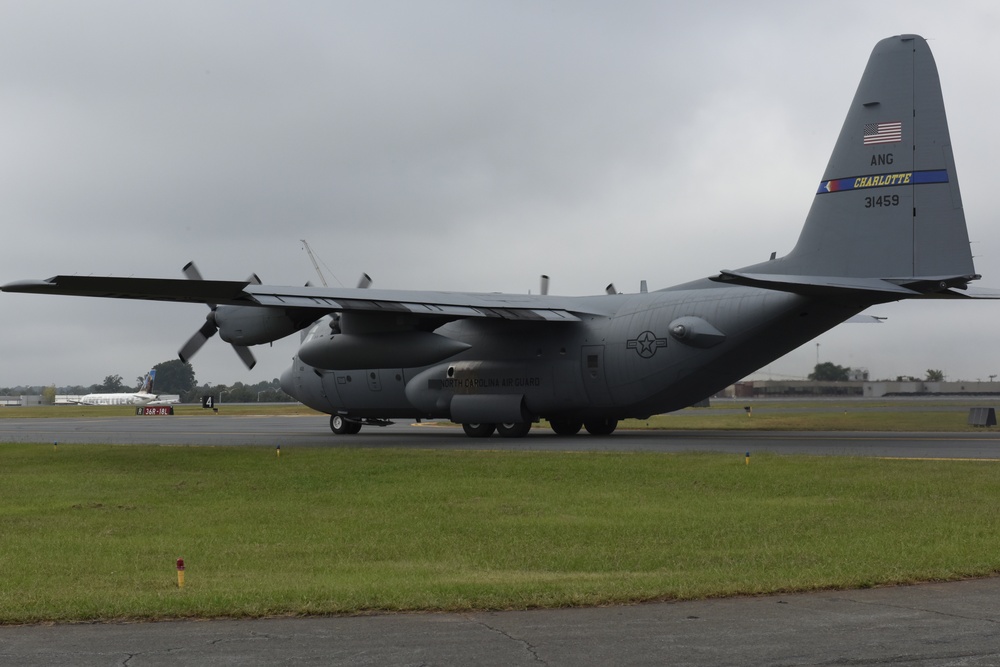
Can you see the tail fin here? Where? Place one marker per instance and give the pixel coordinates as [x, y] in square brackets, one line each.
[889, 205]
[147, 382]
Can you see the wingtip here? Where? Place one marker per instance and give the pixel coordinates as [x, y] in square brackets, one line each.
[27, 285]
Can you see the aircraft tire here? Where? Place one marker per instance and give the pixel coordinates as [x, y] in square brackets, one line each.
[479, 430]
[514, 430]
[566, 426]
[604, 426]
[341, 426]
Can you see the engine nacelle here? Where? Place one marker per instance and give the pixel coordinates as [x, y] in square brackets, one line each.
[385, 349]
[252, 325]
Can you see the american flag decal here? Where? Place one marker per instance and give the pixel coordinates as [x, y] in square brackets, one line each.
[883, 133]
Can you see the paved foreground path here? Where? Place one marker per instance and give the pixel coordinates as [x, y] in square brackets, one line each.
[926, 625]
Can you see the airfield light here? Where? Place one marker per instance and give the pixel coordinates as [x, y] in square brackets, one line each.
[180, 573]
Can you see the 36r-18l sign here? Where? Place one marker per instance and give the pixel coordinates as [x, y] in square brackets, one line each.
[155, 410]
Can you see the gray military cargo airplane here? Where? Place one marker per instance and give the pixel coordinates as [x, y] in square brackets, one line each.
[886, 224]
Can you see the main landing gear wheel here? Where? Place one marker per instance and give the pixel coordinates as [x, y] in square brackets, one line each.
[604, 426]
[515, 430]
[479, 430]
[341, 426]
[566, 426]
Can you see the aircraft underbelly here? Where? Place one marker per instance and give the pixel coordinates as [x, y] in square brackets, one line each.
[653, 368]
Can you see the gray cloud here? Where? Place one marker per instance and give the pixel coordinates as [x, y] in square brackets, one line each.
[445, 145]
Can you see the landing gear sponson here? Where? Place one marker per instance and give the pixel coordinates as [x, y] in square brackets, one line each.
[342, 425]
[604, 426]
[346, 426]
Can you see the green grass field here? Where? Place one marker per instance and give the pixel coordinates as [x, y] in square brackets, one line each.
[93, 532]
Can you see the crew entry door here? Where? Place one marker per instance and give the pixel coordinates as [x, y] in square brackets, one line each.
[594, 379]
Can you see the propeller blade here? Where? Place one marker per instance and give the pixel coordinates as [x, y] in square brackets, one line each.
[189, 348]
[245, 355]
[191, 272]
[195, 342]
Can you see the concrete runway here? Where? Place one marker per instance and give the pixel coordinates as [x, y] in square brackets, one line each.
[934, 624]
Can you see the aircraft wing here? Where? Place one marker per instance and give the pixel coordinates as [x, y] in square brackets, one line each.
[164, 401]
[443, 305]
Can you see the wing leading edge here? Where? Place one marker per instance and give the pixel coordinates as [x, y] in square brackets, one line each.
[444, 305]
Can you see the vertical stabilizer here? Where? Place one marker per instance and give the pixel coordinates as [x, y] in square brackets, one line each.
[888, 205]
[147, 382]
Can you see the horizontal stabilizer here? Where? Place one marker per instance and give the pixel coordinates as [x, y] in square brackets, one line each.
[817, 285]
[888, 289]
[975, 293]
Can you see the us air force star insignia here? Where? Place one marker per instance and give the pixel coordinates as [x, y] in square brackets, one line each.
[646, 344]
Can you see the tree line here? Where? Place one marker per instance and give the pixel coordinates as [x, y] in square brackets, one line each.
[831, 372]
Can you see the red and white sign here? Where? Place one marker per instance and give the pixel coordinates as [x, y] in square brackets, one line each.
[155, 410]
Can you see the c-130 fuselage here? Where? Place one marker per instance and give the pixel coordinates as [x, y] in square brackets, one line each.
[648, 353]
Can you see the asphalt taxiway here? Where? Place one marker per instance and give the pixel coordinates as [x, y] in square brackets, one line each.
[934, 624]
[314, 431]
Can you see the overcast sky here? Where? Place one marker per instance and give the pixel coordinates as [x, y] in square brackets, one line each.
[459, 146]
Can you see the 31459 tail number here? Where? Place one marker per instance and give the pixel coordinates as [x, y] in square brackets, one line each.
[881, 201]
